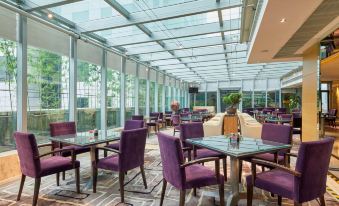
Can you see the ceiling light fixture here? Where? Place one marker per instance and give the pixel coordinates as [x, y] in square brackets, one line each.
[50, 16]
[283, 20]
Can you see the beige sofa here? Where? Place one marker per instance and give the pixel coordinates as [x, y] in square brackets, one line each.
[211, 109]
[214, 126]
[249, 126]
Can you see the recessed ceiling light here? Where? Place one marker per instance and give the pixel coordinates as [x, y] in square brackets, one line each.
[50, 16]
[283, 20]
[264, 51]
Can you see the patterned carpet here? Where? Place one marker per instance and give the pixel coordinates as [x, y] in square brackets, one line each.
[135, 193]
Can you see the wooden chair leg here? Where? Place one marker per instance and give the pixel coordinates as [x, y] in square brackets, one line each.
[36, 191]
[63, 175]
[279, 200]
[182, 197]
[249, 194]
[224, 166]
[240, 170]
[121, 183]
[77, 179]
[322, 200]
[194, 191]
[174, 132]
[163, 191]
[95, 177]
[57, 175]
[143, 175]
[222, 194]
[23, 178]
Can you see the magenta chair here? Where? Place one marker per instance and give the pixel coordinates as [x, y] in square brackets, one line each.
[65, 128]
[33, 165]
[307, 182]
[129, 125]
[175, 123]
[196, 130]
[138, 117]
[130, 156]
[189, 175]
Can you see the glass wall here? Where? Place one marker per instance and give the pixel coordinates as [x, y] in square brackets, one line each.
[246, 99]
[167, 98]
[259, 99]
[212, 99]
[8, 109]
[160, 90]
[88, 96]
[142, 96]
[47, 100]
[129, 95]
[200, 99]
[273, 99]
[152, 96]
[113, 98]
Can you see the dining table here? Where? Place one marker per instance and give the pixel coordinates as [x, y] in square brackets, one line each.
[277, 120]
[237, 149]
[87, 139]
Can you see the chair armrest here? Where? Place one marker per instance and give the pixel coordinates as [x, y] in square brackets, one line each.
[188, 149]
[291, 154]
[57, 151]
[197, 161]
[45, 145]
[107, 149]
[274, 165]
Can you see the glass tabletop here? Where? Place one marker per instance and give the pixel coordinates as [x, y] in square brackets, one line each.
[191, 118]
[245, 147]
[284, 120]
[87, 138]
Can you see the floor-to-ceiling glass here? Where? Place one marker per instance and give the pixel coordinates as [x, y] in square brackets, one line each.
[160, 90]
[246, 99]
[152, 96]
[259, 99]
[129, 96]
[113, 98]
[142, 96]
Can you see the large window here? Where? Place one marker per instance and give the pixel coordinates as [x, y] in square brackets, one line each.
[88, 96]
[142, 96]
[212, 99]
[8, 109]
[167, 98]
[152, 96]
[200, 99]
[113, 98]
[273, 99]
[259, 99]
[130, 96]
[160, 90]
[246, 99]
[47, 77]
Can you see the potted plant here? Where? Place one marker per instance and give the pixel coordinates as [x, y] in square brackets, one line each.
[233, 99]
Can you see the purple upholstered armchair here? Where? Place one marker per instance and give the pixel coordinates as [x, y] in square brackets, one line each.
[129, 125]
[138, 117]
[189, 175]
[153, 121]
[130, 156]
[305, 183]
[196, 130]
[175, 123]
[33, 165]
[65, 128]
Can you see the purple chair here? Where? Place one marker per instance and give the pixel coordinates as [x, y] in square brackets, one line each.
[286, 116]
[161, 120]
[138, 117]
[196, 130]
[307, 182]
[32, 164]
[153, 122]
[130, 156]
[297, 124]
[189, 175]
[65, 128]
[129, 125]
[175, 123]
[331, 117]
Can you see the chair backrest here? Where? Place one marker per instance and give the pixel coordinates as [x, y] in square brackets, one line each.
[161, 116]
[28, 154]
[286, 116]
[313, 162]
[154, 114]
[61, 128]
[138, 117]
[277, 133]
[184, 114]
[171, 158]
[333, 112]
[175, 120]
[133, 124]
[297, 122]
[132, 148]
[191, 130]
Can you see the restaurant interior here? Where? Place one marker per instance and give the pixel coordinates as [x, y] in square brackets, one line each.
[158, 102]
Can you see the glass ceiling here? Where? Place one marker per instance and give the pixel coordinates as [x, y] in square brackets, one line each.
[194, 40]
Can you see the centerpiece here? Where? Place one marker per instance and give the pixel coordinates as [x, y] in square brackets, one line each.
[233, 99]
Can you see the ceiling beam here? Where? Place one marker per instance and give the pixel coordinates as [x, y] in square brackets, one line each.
[45, 4]
[197, 61]
[159, 14]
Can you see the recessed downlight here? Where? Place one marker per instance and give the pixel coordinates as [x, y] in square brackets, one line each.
[283, 20]
[50, 16]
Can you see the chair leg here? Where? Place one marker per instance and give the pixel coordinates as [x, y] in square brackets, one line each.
[36, 191]
[322, 200]
[77, 179]
[23, 178]
[249, 194]
[240, 170]
[222, 194]
[95, 177]
[297, 204]
[182, 197]
[224, 166]
[163, 191]
[143, 175]
[121, 183]
[279, 200]
[173, 132]
[63, 175]
[194, 191]
[57, 178]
